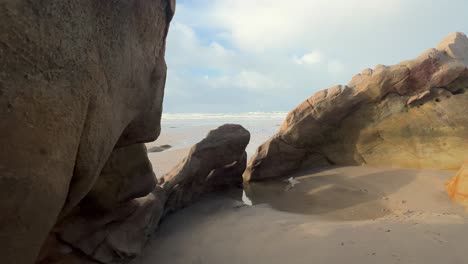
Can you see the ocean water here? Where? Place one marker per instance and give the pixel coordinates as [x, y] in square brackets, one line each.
[224, 116]
[186, 129]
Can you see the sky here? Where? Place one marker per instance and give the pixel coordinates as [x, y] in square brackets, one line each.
[270, 55]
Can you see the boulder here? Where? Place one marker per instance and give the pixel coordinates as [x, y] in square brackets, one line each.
[79, 82]
[117, 236]
[215, 163]
[412, 114]
[112, 223]
[127, 174]
[159, 148]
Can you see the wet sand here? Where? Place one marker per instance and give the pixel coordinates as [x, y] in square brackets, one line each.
[334, 215]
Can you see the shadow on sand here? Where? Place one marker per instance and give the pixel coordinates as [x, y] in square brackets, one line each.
[346, 193]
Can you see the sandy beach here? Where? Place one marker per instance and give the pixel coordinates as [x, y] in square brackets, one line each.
[337, 215]
[333, 215]
[303, 132]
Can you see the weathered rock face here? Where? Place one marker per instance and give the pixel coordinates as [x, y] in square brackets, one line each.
[127, 175]
[216, 162]
[409, 115]
[79, 81]
[116, 236]
[112, 223]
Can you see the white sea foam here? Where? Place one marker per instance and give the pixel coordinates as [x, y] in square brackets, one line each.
[225, 116]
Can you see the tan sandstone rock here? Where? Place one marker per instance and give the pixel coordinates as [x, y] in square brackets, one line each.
[79, 80]
[214, 163]
[408, 115]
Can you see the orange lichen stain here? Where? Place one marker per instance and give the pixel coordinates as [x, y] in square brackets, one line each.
[457, 187]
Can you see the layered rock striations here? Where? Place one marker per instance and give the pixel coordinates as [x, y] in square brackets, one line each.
[413, 114]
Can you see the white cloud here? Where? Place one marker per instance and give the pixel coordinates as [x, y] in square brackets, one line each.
[313, 57]
[219, 50]
[237, 48]
[186, 49]
[254, 81]
[335, 67]
[194, 63]
[244, 80]
[276, 24]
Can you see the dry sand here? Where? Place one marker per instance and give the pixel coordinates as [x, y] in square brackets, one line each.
[336, 215]
[164, 161]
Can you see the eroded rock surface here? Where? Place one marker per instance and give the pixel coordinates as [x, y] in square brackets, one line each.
[408, 115]
[214, 163]
[80, 81]
[112, 223]
[116, 236]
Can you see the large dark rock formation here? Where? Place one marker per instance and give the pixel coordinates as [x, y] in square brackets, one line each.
[409, 115]
[81, 82]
